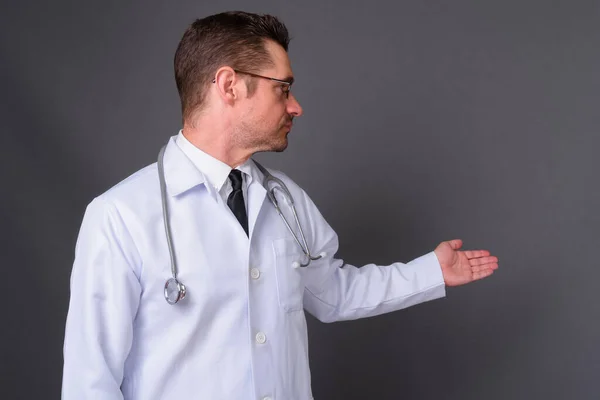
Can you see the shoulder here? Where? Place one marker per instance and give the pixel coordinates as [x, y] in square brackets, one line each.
[283, 176]
[138, 186]
[299, 195]
[286, 179]
[296, 191]
[131, 199]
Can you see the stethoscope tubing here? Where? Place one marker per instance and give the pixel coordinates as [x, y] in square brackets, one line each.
[173, 283]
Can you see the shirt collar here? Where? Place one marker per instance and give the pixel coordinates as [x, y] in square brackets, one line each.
[214, 171]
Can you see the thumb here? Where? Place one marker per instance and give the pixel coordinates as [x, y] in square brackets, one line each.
[455, 244]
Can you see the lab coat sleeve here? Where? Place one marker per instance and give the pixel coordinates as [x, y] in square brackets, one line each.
[105, 292]
[336, 291]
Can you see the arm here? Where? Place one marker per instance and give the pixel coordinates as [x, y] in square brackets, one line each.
[335, 291]
[351, 293]
[105, 292]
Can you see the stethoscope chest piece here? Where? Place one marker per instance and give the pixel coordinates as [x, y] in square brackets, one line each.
[174, 291]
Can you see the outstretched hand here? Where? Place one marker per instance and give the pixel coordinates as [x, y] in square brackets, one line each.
[460, 267]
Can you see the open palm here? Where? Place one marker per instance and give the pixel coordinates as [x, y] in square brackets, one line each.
[460, 267]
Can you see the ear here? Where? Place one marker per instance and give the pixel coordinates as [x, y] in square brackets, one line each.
[228, 85]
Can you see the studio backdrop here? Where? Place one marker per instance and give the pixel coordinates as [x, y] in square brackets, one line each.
[423, 121]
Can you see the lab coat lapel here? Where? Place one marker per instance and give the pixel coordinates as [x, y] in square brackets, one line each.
[256, 198]
[181, 175]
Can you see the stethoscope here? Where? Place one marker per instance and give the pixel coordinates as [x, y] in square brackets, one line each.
[174, 289]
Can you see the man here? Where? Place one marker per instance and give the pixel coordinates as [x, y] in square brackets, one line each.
[240, 330]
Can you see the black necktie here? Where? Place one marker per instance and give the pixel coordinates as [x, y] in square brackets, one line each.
[235, 201]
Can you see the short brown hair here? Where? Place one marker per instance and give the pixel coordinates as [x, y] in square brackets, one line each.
[233, 38]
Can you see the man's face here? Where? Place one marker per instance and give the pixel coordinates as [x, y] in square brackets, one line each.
[266, 116]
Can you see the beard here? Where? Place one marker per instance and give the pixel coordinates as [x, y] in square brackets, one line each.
[260, 139]
[281, 146]
[275, 141]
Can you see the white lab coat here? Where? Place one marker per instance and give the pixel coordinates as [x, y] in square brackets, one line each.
[240, 333]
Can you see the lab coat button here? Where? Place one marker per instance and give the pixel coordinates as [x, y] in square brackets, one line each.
[255, 273]
[261, 337]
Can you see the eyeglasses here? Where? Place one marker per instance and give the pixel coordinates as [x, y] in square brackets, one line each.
[286, 85]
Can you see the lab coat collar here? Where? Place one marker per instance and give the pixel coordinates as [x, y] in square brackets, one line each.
[215, 171]
[181, 174]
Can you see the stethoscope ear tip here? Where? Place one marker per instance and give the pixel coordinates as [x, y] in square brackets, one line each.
[295, 264]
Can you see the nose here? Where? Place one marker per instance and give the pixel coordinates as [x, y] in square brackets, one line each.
[293, 107]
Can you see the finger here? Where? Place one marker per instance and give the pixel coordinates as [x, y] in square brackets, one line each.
[476, 253]
[455, 244]
[481, 268]
[483, 260]
[482, 274]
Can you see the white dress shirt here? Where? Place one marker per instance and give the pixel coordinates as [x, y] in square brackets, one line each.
[240, 333]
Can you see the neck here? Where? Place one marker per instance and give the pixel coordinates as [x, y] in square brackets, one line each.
[215, 138]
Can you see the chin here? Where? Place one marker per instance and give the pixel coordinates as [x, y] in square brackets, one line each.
[280, 147]
[276, 143]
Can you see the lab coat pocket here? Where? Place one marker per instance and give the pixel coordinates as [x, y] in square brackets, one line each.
[290, 283]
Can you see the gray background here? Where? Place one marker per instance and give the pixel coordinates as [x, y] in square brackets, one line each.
[424, 121]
